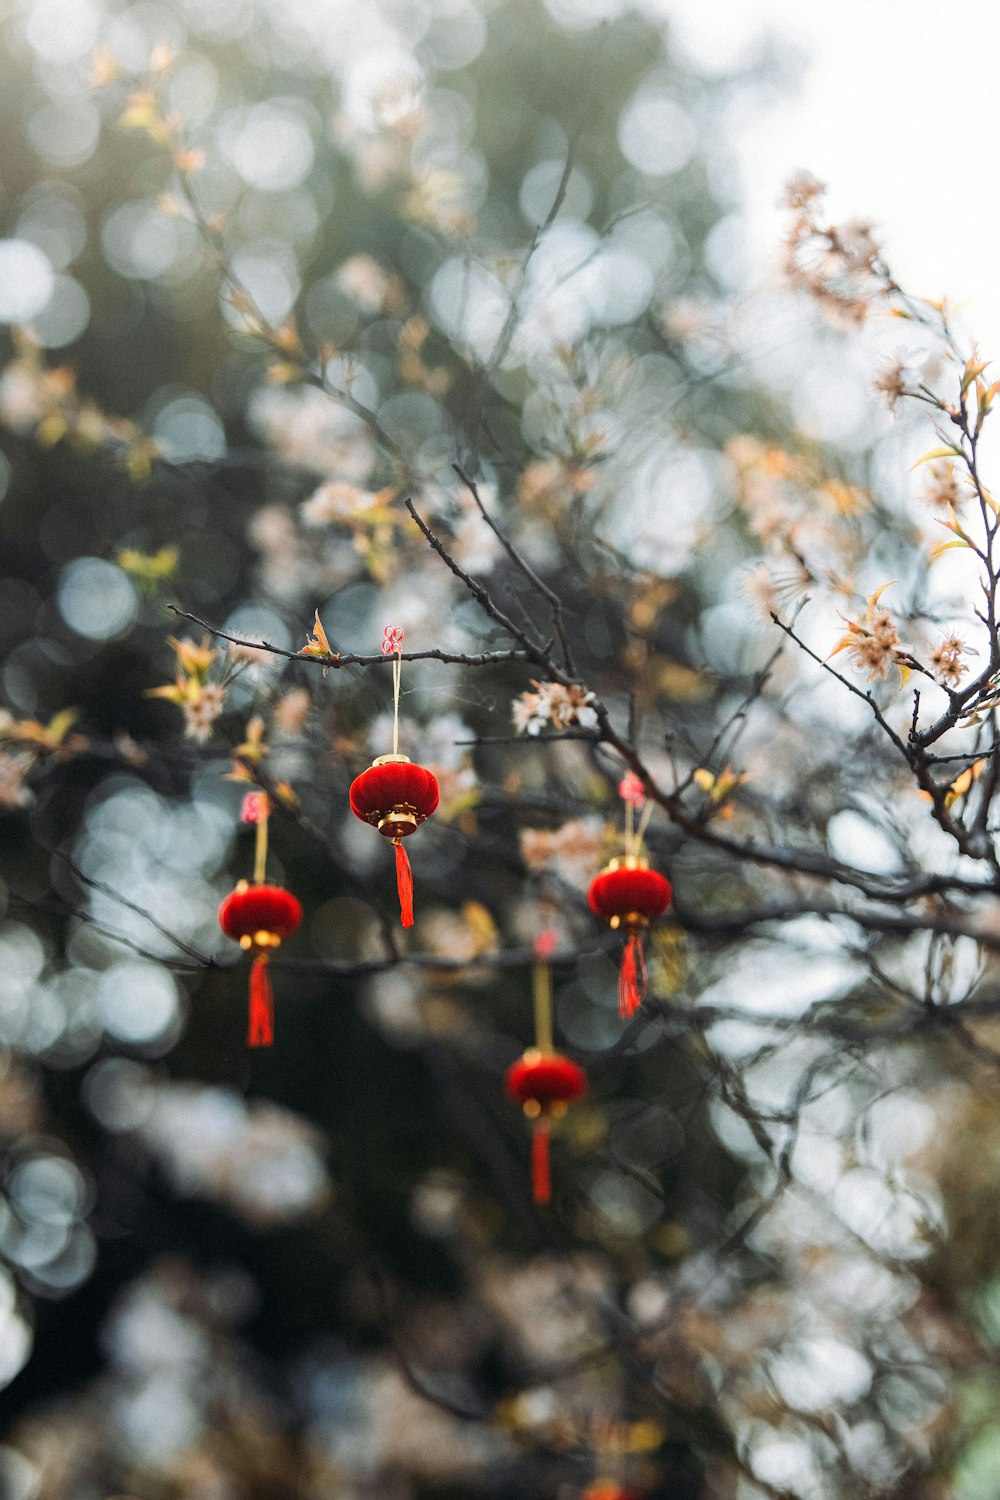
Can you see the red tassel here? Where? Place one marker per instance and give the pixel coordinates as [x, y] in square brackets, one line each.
[541, 1177]
[404, 884]
[632, 977]
[261, 1030]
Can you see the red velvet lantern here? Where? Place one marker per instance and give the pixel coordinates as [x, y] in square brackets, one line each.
[629, 895]
[258, 917]
[395, 796]
[609, 1489]
[545, 1084]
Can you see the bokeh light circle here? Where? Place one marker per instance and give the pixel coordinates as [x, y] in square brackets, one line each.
[656, 135]
[138, 1002]
[66, 315]
[26, 281]
[96, 599]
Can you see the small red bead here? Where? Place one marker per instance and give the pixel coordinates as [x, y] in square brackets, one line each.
[380, 789]
[547, 1078]
[619, 890]
[259, 908]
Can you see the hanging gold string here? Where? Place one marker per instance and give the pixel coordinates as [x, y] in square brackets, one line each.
[392, 645]
[647, 813]
[541, 979]
[260, 847]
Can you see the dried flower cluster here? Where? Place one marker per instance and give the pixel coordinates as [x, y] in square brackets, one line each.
[807, 521]
[943, 491]
[553, 706]
[891, 384]
[840, 266]
[337, 504]
[202, 700]
[375, 290]
[549, 484]
[45, 401]
[873, 644]
[26, 742]
[573, 850]
[945, 660]
[13, 770]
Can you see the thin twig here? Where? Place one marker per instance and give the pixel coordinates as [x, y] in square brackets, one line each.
[140, 911]
[851, 687]
[549, 595]
[352, 659]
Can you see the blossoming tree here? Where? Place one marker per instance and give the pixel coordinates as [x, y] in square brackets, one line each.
[327, 336]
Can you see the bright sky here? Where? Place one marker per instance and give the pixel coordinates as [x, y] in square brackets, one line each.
[895, 115]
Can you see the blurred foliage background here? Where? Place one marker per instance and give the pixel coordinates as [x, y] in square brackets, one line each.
[269, 269]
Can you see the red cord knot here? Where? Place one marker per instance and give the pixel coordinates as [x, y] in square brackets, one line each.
[631, 789]
[255, 807]
[392, 639]
[546, 943]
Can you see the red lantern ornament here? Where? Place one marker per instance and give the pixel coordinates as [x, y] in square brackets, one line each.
[629, 896]
[543, 1081]
[258, 917]
[545, 1084]
[395, 795]
[609, 1489]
